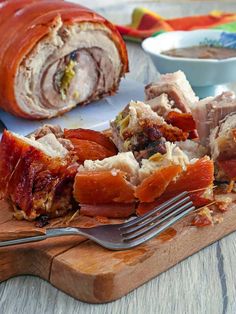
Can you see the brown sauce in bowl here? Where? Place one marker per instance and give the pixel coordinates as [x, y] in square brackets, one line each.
[201, 52]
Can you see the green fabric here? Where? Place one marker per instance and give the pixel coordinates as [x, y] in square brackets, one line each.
[229, 27]
[158, 33]
[132, 39]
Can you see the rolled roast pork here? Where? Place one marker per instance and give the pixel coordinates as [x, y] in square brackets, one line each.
[56, 55]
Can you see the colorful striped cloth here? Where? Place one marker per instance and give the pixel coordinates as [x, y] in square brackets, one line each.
[146, 23]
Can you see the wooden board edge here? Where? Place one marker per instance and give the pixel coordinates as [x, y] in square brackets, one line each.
[35, 258]
[84, 284]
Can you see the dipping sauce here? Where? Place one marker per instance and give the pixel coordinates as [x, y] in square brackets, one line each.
[201, 52]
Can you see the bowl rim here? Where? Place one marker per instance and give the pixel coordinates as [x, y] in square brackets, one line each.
[158, 37]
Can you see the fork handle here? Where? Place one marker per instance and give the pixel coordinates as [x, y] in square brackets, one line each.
[23, 240]
[50, 233]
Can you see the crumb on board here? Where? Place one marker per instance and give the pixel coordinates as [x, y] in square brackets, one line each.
[223, 202]
[101, 219]
[218, 219]
[203, 217]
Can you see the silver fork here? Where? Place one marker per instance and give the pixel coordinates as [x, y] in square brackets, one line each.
[126, 235]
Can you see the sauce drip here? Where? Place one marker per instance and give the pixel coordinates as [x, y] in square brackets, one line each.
[167, 235]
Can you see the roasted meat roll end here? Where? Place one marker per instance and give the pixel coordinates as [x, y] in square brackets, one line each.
[56, 55]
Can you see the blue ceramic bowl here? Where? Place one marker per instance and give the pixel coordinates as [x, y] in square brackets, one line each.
[205, 75]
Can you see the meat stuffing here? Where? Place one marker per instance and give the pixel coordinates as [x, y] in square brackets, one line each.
[139, 129]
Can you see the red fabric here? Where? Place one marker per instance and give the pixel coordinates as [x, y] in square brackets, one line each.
[145, 23]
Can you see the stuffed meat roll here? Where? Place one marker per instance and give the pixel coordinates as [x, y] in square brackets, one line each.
[56, 55]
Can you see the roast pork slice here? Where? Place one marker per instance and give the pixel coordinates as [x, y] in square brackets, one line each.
[208, 112]
[223, 148]
[223, 139]
[178, 89]
[141, 130]
[109, 182]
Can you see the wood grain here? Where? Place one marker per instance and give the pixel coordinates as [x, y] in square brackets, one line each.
[124, 271]
[93, 274]
[35, 258]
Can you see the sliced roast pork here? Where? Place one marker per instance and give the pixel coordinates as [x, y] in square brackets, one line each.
[176, 87]
[167, 175]
[223, 148]
[111, 182]
[208, 113]
[118, 182]
[171, 97]
[139, 129]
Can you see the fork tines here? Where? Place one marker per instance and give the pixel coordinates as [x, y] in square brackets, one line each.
[158, 220]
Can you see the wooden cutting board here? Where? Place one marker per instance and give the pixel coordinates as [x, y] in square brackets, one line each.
[91, 273]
